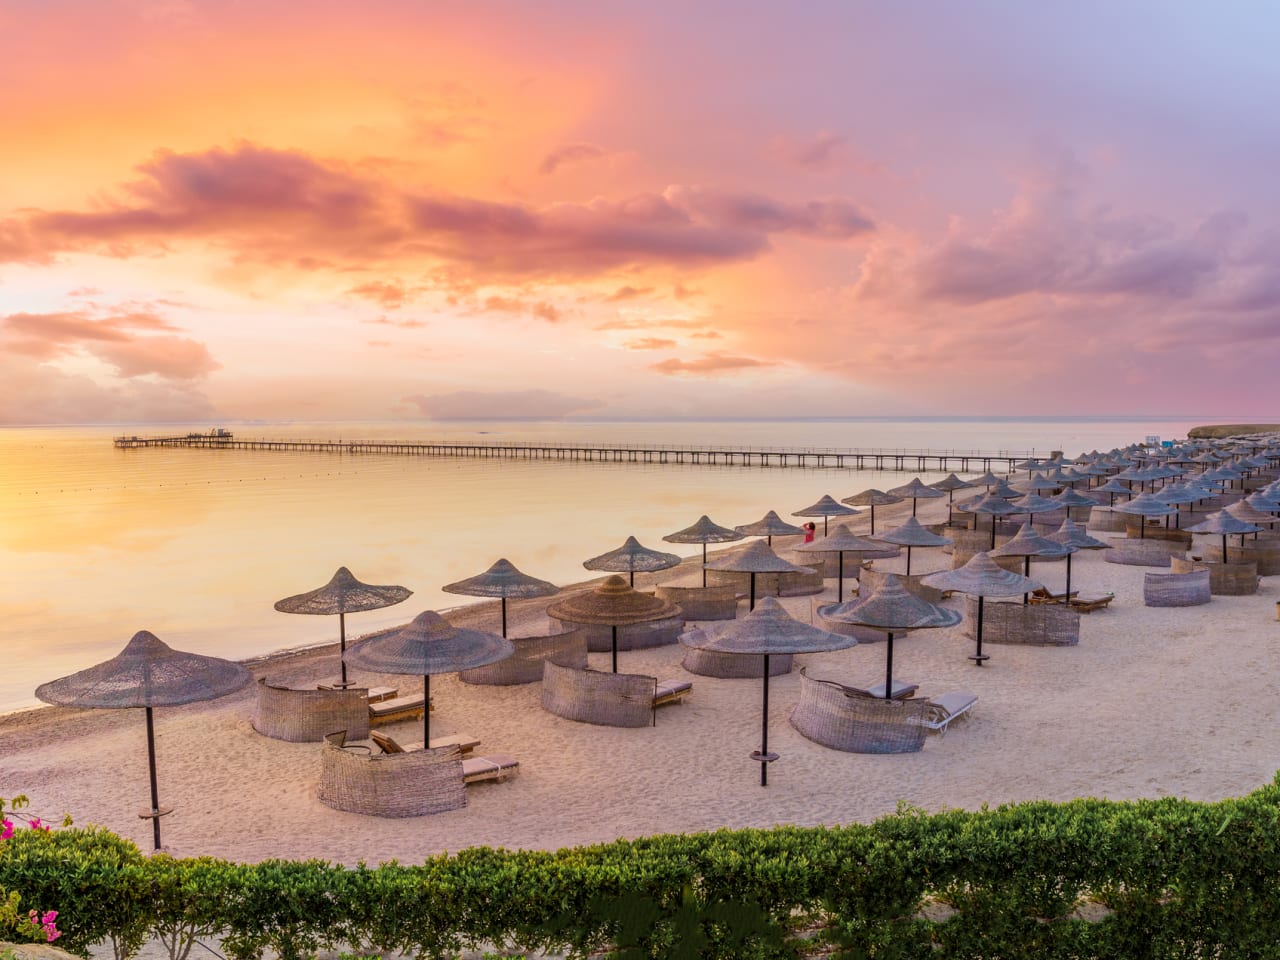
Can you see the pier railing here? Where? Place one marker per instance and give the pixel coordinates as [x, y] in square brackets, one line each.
[711, 454]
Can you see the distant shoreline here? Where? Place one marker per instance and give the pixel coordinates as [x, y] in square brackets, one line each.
[1220, 431]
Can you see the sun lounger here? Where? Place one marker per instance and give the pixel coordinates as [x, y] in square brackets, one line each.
[948, 707]
[1041, 595]
[901, 691]
[671, 691]
[375, 693]
[1091, 602]
[395, 709]
[496, 766]
[465, 743]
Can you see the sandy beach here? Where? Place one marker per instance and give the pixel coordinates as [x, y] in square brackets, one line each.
[1152, 702]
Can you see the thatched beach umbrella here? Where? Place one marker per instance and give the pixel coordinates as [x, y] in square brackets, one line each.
[1070, 497]
[916, 490]
[768, 630]
[826, 508]
[755, 557]
[981, 577]
[991, 506]
[1040, 482]
[1004, 491]
[987, 480]
[912, 534]
[502, 580]
[892, 608]
[840, 541]
[615, 604]
[1112, 487]
[769, 526]
[1033, 503]
[704, 532]
[1026, 543]
[629, 558]
[343, 594]
[147, 674]
[1145, 505]
[949, 485]
[1071, 534]
[1225, 524]
[1244, 510]
[426, 645]
[871, 498]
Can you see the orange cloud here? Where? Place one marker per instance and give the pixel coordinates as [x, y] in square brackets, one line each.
[570, 153]
[650, 343]
[708, 365]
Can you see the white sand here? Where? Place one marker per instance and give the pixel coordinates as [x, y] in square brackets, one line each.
[1152, 702]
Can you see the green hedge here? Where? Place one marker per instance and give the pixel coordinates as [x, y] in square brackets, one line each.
[1091, 878]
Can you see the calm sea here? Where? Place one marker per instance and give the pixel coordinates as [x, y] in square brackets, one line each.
[196, 545]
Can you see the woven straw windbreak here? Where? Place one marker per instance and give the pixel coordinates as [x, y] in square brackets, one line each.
[393, 784]
[306, 716]
[734, 666]
[826, 714]
[1176, 589]
[1145, 553]
[702, 603]
[525, 665]
[607, 699]
[1225, 579]
[1044, 625]
[1265, 553]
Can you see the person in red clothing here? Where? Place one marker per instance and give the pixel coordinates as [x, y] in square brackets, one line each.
[810, 529]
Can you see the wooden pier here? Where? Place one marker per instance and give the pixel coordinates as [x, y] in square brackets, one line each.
[920, 461]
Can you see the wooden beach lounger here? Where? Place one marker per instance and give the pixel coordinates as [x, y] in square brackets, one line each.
[496, 766]
[465, 743]
[395, 709]
[376, 694]
[1041, 595]
[1091, 602]
[948, 707]
[671, 691]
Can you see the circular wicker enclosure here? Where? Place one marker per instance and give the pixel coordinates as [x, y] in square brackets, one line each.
[394, 784]
[1225, 579]
[567, 649]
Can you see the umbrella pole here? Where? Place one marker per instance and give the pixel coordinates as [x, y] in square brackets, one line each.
[913, 506]
[704, 564]
[751, 603]
[342, 644]
[979, 656]
[908, 560]
[426, 711]
[1026, 572]
[632, 574]
[993, 531]
[504, 617]
[840, 575]
[1066, 597]
[155, 790]
[763, 754]
[873, 519]
[888, 670]
[614, 630]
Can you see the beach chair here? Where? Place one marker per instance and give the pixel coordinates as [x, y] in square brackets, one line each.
[1091, 602]
[1041, 595]
[495, 766]
[465, 743]
[671, 691]
[396, 709]
[948, 707]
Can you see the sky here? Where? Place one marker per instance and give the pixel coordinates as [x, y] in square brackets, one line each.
[222, 210]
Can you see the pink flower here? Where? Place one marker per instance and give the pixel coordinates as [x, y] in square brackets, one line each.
[6, 829]
[37, 825]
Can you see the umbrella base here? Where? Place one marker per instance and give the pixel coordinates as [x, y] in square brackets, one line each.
[977, 658]
[759, 757]
[146, 813]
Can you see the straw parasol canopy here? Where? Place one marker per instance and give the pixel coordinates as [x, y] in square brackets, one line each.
[768, 630]
[147, 673]
[982, 577]
[1033, 503]
[1070, 497]
[841, 541]
[949, 485]
[1145, 505]
[704, 532]
[1004, 491]
[987, 480]
[1071, 534]
[614, 603]
[504, 581]
[769, 526]
[629, 558]
[871, 498]
[912, 534]
[343, 594]
[1026, 543]
[1040, 482]
[916, 490]
[826, 508]
[1112, 487]
[1244, 510]
[1224, 523]
[991, 506]
[426, 645]
[755, 557]
[892, 608]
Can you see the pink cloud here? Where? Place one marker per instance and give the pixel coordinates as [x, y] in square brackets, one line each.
[570, 153]
[541, 310]
[286, 207]
[650, 343]
[174, 358]
[708, 365]
[391, 294]
[628, 292]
